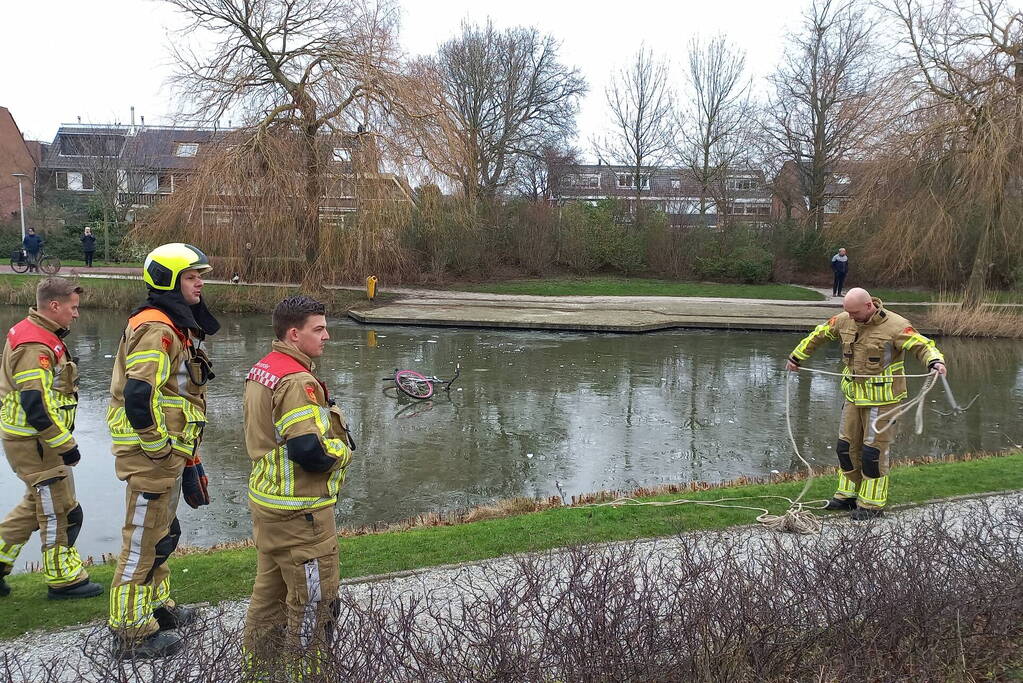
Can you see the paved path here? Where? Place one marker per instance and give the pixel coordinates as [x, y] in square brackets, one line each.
[447, 586]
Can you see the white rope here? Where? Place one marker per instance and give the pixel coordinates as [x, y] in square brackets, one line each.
[799, 518]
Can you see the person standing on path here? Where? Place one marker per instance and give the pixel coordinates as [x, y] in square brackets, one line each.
[840, 266]
[156, 418]
[874, 342]
[38, 394]
[88, 246]
[299, 444]
[32, 244]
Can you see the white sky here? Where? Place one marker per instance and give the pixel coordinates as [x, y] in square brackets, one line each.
[61, 59]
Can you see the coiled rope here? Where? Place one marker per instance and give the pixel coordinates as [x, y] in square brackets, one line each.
[800, 518]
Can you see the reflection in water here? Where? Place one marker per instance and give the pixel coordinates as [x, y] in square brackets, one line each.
[533, 414]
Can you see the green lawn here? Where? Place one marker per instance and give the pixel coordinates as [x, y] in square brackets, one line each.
[227, 574]
[620, 286]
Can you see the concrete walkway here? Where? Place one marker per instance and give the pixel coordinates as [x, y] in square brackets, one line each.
[594, 313]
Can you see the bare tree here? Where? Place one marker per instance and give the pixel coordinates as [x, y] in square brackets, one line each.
[503, 96]
[717, 124]
[540, 175]
[828, 96]
[298, 68]
[642, 117]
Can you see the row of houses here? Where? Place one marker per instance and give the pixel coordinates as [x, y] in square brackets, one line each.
[144, 164]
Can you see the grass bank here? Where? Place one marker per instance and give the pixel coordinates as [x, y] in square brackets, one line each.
[620, 286]
[227, 574]
[126, 294]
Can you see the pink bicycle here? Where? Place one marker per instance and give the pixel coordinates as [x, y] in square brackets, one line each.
[418, 386]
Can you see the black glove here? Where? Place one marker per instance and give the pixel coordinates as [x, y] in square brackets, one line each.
[71, 457]
[194, 484]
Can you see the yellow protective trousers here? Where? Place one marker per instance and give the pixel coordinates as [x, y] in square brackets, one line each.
[142, 579]
[48, 506]
[863, 454]
[294, 602]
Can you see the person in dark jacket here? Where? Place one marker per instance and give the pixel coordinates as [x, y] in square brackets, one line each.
[840, 266]
[88, 246]
[32, 244]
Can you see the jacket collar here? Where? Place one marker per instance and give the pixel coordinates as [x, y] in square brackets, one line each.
[289, 350]
[880, 315]
[47, 324]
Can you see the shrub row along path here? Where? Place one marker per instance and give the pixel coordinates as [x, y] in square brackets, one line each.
[447, 586]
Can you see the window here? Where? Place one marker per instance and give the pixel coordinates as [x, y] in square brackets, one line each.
[832, 206]
[676, 184]
[342, 155]
[628, 181]
[165, 183]
[90, 145]
[583, 180]
[841, 178]
[72, 180]
[740, 184]
[745, 209]
[186, 149]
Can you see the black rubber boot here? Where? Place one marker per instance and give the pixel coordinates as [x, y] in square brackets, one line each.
[82, 589]
[864, 514]
[5, 590]
[841, 504]
[160, 644]
[175, 617]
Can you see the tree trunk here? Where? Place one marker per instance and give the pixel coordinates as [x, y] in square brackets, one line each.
[309, 216]
[976, 286]
[106, 235]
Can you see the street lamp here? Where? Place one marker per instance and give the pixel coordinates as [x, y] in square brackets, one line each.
[21, 204]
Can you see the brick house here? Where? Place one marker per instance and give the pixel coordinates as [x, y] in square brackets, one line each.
[791, 201]
[743, 196]
[17, 155]
[143, 164]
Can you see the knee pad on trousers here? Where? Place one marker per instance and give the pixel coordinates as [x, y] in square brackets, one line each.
[842, 449]
[74, 524]
[165, 546]
[871, 462]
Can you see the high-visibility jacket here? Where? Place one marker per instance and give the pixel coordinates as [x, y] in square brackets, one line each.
[154, 351]
[286, 405]
[38, 384]
[876, 348]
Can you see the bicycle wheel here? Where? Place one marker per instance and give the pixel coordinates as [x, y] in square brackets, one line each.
[49, 265]
[413, 384]
[19, 265]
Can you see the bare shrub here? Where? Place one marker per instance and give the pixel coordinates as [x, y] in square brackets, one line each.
[957, 321]
[935, 597]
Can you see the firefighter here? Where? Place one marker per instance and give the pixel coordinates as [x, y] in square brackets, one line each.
[156, 419]
[39, 397]
[300, 447]
[874, 342]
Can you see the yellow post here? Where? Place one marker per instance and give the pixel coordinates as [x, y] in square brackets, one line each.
[371, 287]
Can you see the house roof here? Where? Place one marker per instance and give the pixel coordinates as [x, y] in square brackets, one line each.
[155, 147]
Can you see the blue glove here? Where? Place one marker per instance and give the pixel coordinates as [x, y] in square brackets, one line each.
[194, 484]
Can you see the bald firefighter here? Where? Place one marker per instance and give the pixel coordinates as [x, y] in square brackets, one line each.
[156, 418]
[300, 447]
[39, 397]
[874, 343]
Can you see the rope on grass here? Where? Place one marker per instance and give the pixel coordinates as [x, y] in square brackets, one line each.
[799, 518]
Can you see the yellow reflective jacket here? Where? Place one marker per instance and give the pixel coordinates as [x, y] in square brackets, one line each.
[284, 400]
[876, 348]
[154, 351]
[35, 359]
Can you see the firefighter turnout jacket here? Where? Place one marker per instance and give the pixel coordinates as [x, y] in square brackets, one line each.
[297, 439]
[875, 348]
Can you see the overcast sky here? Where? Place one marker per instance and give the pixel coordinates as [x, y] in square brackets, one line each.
[94, 59]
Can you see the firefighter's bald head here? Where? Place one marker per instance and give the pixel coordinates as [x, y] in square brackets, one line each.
[859, 305]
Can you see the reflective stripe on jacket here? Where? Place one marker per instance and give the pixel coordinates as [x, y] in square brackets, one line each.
[876, 348]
